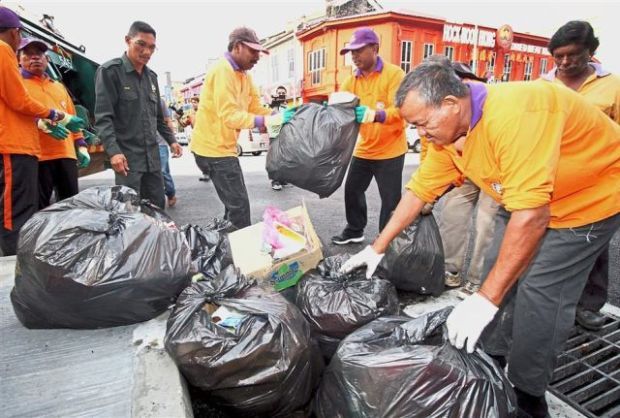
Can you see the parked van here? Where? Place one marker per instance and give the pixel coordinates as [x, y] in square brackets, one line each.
[252, 141]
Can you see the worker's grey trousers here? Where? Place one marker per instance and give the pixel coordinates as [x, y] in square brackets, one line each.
[536, 316]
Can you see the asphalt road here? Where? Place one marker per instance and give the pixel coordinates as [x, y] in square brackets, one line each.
[198, 203]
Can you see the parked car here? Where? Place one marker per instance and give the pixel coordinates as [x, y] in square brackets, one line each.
[252, 141]
[413, 139]
[182, 138]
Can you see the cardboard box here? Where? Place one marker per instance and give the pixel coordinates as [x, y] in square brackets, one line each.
[246, 247]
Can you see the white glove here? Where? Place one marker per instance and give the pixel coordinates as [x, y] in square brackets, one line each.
[367, 257]
[468, 319]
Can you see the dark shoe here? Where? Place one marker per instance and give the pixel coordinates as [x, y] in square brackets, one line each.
[347, 238]
[591, 320]
[275, 185]
[531, 406]
[205, 177]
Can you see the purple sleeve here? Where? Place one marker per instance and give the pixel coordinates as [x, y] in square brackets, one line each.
[81, 143]
[380, 116]
[259, 121]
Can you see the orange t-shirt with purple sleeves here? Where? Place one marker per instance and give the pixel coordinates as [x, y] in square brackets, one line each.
[18, 130]
[377, 91]
[53, 94]
[535, 143]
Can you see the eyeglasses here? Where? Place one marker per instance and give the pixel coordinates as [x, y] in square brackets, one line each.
[143, 45]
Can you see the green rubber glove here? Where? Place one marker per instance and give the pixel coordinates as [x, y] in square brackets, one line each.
[83, 157]
[288, 114]
[364, 115]
[73, 123]
[89, 137]
[54, 130]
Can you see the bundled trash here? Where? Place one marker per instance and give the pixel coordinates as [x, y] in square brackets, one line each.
[337, 304]
[247, 347]
[101, 258]
[403, 367]
[414, 260]
[210, 249]
[313, 150]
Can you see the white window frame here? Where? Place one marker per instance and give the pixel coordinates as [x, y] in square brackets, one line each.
[429, 49]
[507, 67]
[491, 62]
[543, 66]
[275, 70]
[448, 51]
[527, 73]
[316, 63]
[290, 55]
[406, 48]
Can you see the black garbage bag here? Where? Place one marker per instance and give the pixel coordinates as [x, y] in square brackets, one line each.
[209, 246]
[337, 304]
[313, 150]
[101, 258]
[403, 367]
[265, 364]
[414, 260]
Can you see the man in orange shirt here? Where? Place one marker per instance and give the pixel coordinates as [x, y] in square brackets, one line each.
[58, 168]
[572, 48]
[381, 148]
[553, 161]
[19, 137]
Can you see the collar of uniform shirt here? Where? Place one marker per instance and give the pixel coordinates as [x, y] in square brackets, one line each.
[378, 68]
[129, 66]
[232, 62]
[598, 70]
[478, 96]
[27, 74]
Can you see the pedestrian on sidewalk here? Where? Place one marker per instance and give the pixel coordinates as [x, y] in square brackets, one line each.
[278, 104]
[381, 148]
[164, 156]
[128, 116]
[572, 48]
[553, 161]
[229, 102]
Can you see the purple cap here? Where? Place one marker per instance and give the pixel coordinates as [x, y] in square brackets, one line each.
[9, 19]
[360, 38]
[32, 41]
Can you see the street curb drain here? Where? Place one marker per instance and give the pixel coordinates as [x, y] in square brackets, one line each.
[587, 373]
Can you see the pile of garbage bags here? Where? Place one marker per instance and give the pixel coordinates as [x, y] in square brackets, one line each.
[313, 150]
[101, 258]
[414, 260]
[403, 367]
[337, 304]
[210, 249]
[247, 347]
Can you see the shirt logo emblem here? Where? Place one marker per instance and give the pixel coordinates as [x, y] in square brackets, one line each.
[497, 188]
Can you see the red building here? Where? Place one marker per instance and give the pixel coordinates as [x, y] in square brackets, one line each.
[407, 38]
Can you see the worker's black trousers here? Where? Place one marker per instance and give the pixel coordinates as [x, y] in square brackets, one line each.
[61, 175]
[20, 197]
[537, 315]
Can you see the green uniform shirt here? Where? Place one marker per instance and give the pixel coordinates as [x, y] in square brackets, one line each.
[128, 115]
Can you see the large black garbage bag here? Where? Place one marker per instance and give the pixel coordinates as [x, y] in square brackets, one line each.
[337, 304]
[209, 246]
[403, 367]
[101, 258]
[414, 260]
[313, 150]
[267, 365]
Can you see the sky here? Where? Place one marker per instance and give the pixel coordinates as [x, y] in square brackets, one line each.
[190, 33]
